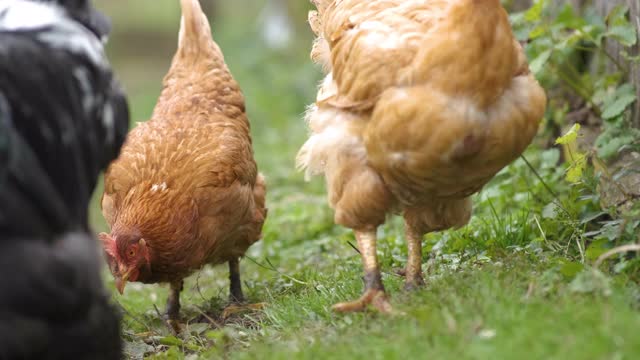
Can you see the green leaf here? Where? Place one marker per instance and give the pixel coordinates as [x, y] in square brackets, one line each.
[625, 89]
[596, 249]
[172, 354]
[534, 13]
[618, 15]
[538, 31]
[549, 158]
[170, 340]
[574, 173]
[567, 17]
[618, 106]
[609, 147]
[198, 328]
[570, 269]
[592, 216]
[215, 334]
[137, 350]
[550, 211]
[591, 281]
[625, 35]
[537, 63]
[611, 230]
[620, 28]
[570, 137]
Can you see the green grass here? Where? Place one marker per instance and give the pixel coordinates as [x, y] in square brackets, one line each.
[491, 311]
[518, 306]
[509, 285]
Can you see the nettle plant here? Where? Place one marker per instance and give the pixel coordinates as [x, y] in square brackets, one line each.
[572, 55]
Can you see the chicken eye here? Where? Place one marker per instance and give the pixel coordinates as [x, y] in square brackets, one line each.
[132, 252]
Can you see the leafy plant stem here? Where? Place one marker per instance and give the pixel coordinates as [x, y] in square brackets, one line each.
[547, 187]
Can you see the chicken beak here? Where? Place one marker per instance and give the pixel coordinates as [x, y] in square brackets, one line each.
[121, 281]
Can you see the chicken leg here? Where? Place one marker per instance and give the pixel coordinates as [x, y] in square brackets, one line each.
[374, 293]
[235, 285]
[173, 301]
[236, 298]
[413, 271]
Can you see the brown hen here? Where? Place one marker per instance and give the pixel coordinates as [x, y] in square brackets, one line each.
[423, 103]
[185, 190]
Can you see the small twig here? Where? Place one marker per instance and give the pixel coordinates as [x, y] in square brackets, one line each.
[580, 250]
[165, 322]
[578, 116]
[534, 195]
[535, 172]
[618, 250]
[530, 289]
[566, 250]
[273, 268]
[603, 49]
[354, 247]
[198, 286]
[211, 320]
[579, 90]
[544, 183]
[133, 317]
[257, 263]
[624, 69]
[544, 236]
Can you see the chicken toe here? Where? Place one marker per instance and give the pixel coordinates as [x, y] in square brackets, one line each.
[374, 293]
[374, 297]
[238, 308]
[414, 283]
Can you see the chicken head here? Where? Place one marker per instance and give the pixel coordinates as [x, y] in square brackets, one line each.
[127, 258]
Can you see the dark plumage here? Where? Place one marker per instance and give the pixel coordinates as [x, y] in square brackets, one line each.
[63, 118]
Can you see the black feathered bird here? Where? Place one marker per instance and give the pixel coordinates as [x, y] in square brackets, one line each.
[63, 118]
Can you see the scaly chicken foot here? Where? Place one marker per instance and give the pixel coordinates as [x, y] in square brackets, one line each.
[374, 293]
[413, 271]
[236, 297]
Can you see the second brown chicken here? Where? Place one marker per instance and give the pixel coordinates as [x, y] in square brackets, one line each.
[423, 103]
[185, 191]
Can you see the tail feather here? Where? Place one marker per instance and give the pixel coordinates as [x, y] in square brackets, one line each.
[320, 53]
[195, 31]
[315, 22]
[321, 5]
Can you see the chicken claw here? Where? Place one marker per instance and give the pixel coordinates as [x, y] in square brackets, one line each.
[374, 293]
[174, 326]
[410, 284]
[236, 308]
[374, 297]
